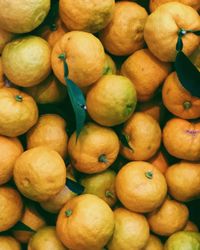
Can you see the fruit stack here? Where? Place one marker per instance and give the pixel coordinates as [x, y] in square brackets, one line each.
[99, 125]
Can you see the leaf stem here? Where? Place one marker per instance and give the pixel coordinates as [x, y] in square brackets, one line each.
[103, 158]
[68, 212]
[149, 174]
[53, 27]
[18, 98]
[187, 105]
[62, 56]
[109, 194]
[182, 32]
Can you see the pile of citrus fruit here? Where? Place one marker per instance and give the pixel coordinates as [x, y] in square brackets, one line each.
[130, 178]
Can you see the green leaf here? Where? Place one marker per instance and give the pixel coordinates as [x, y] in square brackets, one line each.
[197, 32]
[124, 140]
[122, 136]
[53, 14]
[76, 97]
[78, 104]
[50, 19]
[74, 186]
[20, 226]
[188, 74]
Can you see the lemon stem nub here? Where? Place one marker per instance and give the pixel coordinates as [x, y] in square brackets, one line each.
[18, 98]
[62, 56]
[109, 194]
[103, 158]
[68, 212]
[182, 32]
[106, 70]
[53, 27]
[187, 105]
[149, 174]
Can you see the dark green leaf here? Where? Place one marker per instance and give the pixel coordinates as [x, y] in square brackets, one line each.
[76, 97]
[50, 19]
[53, 14]
[22, 227]
[197, 32]
[124, 140]
[122, 136]
[188, 74]
[74, 186]
[179, 44]
[78, 104]
[53, 27]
